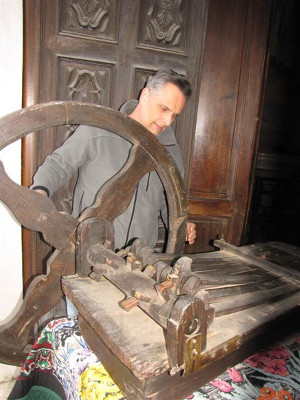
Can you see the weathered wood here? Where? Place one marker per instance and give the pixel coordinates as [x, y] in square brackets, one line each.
[36, 212]
[290, 271]
[129, 335]
[163, 352]
[18, 124]
[220, 291]
[180, 315]
[282, 254]
[188, 318]
[112, 334]
[231, 304]
[116, 194]
[42, 295]
[165, 386]
[270, 289]
[89, 232]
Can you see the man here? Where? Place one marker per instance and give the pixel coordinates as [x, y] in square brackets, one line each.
[97, 155]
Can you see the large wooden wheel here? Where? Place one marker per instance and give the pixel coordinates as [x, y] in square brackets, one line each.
[38, 213]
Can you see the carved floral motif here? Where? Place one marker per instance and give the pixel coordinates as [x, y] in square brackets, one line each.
[91, 14]
[164, 22]
[85, 86]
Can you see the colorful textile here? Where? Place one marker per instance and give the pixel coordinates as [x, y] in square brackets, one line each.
[56, 360]
[61, 353]
[95, 383]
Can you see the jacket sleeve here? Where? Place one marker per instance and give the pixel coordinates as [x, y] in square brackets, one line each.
[59, 167]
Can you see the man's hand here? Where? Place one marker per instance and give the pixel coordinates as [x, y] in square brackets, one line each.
[40, 191]
[190, 232]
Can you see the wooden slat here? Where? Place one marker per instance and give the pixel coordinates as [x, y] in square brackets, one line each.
[245, 301]
[277, 253]
[274, 268]
[224, 266]
[231, 279]
[221, 291]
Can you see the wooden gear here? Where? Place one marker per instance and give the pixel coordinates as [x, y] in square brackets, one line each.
[162, 324]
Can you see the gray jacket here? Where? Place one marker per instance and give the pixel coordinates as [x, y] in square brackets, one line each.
[97, 155]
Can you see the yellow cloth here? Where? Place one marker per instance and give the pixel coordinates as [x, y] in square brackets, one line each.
[96, 384]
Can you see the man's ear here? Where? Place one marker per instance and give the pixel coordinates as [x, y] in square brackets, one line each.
[144, 95]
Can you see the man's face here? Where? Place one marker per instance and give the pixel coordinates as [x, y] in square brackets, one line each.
[159, 109]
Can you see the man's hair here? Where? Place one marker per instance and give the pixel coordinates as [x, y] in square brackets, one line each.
[163, 76]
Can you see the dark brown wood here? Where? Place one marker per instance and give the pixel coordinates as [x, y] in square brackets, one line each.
[164, 386]
[174, 346]
[101, 61]
[122, 185]
[289, 271]
[188, 318]
[43, 294]
[220, 47]
[144, 368]
[250, 118]
[31, 263]
[90, 232]
[228, 117]
[158, 299]
[16, 125]
[36, 212]
[39, 213]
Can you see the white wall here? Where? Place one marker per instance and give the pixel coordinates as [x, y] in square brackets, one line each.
[11, 47]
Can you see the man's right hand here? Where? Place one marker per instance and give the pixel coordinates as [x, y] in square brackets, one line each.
[40, 191]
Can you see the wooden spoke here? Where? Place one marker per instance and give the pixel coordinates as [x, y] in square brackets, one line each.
[116, 194]
[36, 212]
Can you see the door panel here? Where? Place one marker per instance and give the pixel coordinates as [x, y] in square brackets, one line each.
[228, 117]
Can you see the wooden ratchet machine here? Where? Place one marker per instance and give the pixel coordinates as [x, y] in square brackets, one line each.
[162, 324]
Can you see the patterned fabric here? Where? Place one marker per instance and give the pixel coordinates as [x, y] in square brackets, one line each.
[61, 353]
[56, 360]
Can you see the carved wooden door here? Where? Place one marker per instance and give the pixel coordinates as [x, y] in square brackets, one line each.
[101, 52]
